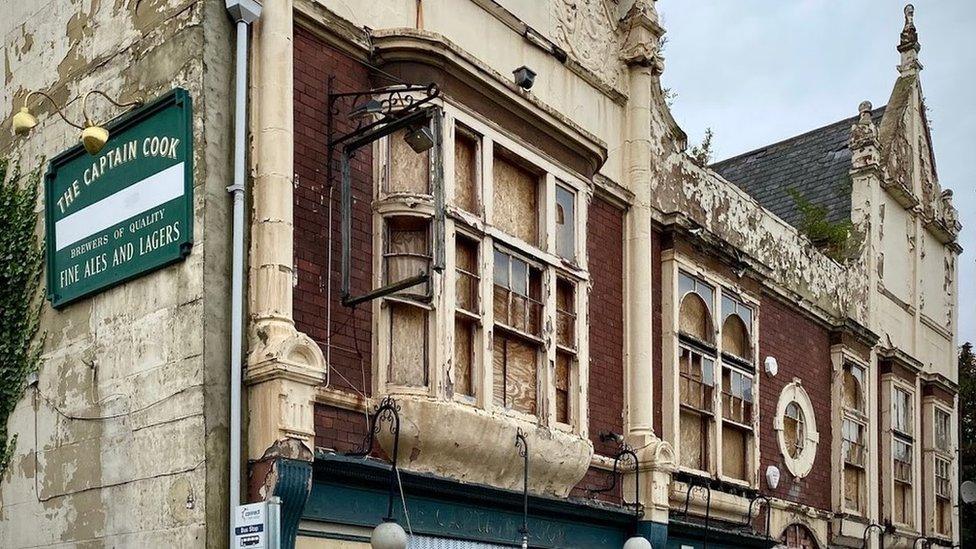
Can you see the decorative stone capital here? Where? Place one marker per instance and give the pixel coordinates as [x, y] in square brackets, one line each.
[283, 375]
[643, 34]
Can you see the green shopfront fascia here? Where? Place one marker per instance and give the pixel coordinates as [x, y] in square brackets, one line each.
[349, 498]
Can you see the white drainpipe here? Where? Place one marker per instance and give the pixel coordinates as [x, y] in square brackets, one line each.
[244, 12]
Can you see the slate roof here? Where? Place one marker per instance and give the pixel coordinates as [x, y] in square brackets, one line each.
[816, 163]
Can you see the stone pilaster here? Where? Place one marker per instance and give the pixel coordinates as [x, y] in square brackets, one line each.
[284, 366]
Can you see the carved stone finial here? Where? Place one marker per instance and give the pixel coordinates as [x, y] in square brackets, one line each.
[908, 46]
[864, 138]
[909, 34]
[865, 110]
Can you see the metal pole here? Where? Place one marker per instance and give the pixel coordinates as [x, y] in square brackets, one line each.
[244, 12]
[522, 445]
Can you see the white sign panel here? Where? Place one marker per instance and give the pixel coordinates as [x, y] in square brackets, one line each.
[251, 526]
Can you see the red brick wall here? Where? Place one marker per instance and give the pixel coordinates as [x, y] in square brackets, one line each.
[315, 63]
[802, 350]
[605, 244]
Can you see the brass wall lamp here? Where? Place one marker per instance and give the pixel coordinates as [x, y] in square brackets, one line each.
[93, 135]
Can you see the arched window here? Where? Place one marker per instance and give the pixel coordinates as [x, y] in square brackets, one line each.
[735, 338]
[695, 320]
[799, 536]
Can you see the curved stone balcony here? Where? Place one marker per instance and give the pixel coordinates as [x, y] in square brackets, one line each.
[468, 444]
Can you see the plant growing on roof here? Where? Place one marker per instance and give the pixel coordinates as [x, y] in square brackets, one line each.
[701, 154]
[20, 300]
[833, 238]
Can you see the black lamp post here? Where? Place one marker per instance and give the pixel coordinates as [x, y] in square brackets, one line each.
[388, 534]
[523, 449]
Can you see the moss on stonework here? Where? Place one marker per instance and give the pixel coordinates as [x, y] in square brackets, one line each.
[20, 275]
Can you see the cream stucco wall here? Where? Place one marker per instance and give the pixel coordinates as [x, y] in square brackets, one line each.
[123, 442]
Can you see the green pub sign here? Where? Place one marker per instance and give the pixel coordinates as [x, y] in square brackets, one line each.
[127, 210]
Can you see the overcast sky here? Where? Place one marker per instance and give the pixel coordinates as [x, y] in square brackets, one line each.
[758, 71]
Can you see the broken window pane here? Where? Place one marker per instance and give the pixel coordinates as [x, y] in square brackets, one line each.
[565, 223]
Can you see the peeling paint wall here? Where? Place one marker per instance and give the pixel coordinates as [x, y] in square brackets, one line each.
[123, 443]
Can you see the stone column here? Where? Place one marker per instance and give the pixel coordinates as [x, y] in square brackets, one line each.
[284, 366]
[640, 54]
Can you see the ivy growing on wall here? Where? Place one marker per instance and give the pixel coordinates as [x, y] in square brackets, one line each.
[833, 238]
[20, 275]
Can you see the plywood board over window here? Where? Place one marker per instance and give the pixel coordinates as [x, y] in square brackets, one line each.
[466, 172]
[514, 373]
[516, 200]
[409, 171]
[734, 452]
[464, 329]
[408, 345]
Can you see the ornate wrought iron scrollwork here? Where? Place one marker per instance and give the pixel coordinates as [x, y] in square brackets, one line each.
[626, 454]
[769, 511]
[387, 411]
[386, 104]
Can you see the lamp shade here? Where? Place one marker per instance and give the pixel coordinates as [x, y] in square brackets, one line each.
[94, 138]
[388, 535]
[638, 542]
[23, 121]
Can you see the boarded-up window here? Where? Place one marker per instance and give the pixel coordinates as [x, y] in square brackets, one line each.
[466, 172]
[735, 451]
[695, 319]
[407, 252]
[735, 338]
[409, 171]
[464, 346]
[517, 294]
[565, 313]
[516, 200]
[408, 345]
[694, 440]
[853, 488]
[565, 223]
[564, 367]
[467, 289]
[903, 503]
[514, 372]
[794, 430]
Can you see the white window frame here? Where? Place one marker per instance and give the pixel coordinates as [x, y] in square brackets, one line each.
[674, 263]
